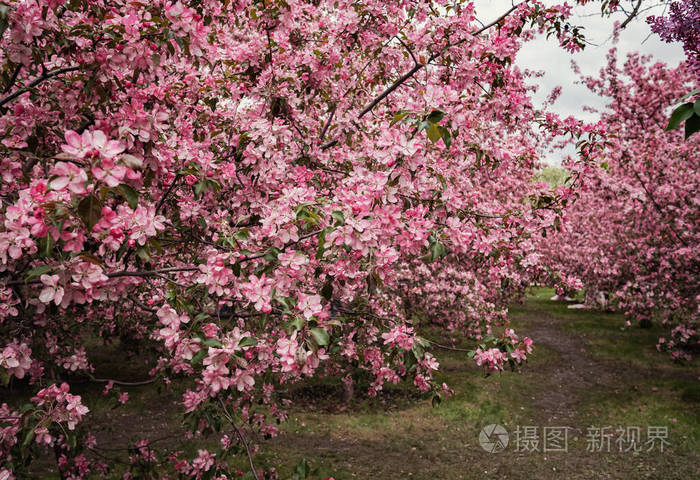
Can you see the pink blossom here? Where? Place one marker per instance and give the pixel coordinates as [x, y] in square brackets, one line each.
[69, 175]
[257, 291]
[51, 292]
[16, 359]
[91, 142]
[287, 351]
[401, 336]
[309, 305]
[109, 172]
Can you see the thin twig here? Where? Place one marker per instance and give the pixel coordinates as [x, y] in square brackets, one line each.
[408, 49]
[165, 195]
[658, 208]
[13, 79]
[151, 273]
[241, 437]
[446, 347]
[126, 384]
[328, 122]
[159, 271]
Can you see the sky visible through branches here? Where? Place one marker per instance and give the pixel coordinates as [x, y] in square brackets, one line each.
[546, 56]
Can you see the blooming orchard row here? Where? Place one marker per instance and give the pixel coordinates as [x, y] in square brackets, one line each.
[256, 192]
[632, 236]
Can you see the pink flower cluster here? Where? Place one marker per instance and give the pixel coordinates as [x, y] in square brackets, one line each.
[16, 359]
[60, 406]
[400, 336]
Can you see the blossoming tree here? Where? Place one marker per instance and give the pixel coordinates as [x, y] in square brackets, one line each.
[633, 233]
[258, 192]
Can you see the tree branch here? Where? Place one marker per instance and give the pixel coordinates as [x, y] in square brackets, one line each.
[328, 122]
[165, 195]
[13, 79]
[408, 49]
[36, 82]
[446, 347]
[126, 384]
[631, 16]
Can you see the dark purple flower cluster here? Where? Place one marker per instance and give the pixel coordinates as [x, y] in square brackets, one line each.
[681, 25]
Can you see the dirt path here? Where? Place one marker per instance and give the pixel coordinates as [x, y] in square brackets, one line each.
[575, 372]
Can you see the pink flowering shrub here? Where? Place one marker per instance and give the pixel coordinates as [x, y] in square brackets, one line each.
[50, 419]
[254, 193]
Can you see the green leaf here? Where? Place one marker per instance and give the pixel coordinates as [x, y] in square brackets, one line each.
[692, 125]
[201, 316]
[688, 95]
[46, 246]
[211, 102]
[90, 211]
[296, 323]
[446, 136]
[339, 217]
[242, 235]
[679, 115]
[696, 107]
[272, 254]
[303, 469]
[131, 195]
[286, 302]
[198, 357]
[236, 269]
[200, 187]
[397, 118]
[143, 254]
[374, 281]
[28, 437]
[435, 116]
[418, 351]
[321, 243]
[38, 271]
[248, 342]
[320, 335]
[434, 133]
[4, 23]
[212, 342]
[437, 250]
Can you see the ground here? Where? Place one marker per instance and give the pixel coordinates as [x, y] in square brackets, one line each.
[587, 371]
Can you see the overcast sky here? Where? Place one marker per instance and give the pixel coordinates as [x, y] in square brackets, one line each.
[547, 56]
